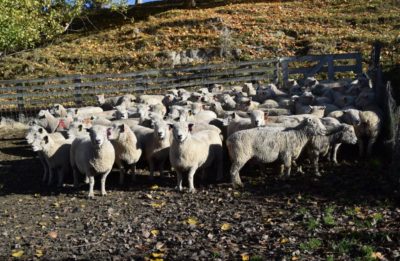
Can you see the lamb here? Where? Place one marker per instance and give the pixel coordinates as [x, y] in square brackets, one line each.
[191, 151]
[257, 119]
[127, 149]
[58, 110]
[51, 123]
[35, 132]
[269, 145]
[93, 156]
[56, 153]
[107, 103]
[320, 145]
[367, 124]
[157, 151]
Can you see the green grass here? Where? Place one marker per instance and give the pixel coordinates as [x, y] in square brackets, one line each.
[311, 245]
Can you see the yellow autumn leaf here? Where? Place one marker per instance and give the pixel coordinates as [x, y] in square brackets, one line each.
[377, 255]
[245, 256]
[156, 255]
[155, 232]
[284, 240]
[157, 205]
[154, 187]
[192, 221]
[38, 253]
[17, 253]
[225, 226]
[294, 258]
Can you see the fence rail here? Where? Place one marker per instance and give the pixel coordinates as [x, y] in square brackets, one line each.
[22, 96]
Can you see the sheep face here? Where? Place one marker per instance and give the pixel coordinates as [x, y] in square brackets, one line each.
[98, 135]
[121, 112]
[160, 129]
[348, 134]
[39, 142]
[196, 107]
[352, 117]
[100, 99]
[314, 126]
[115, 131]
[181, 130]
[42, 114]
[257, 118]
[56, 110]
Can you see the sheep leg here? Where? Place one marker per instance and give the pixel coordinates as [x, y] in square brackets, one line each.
[360, 148]
[371, 142]
[288, 165]
[91, 186]
[335, 150]
[151, 168]
[45, 167]
[60, 177]
[235, 177]
[121, 175]
[192, 171]
[103, 183]
[133, 172]
[316, 166]
[179, 178]
[51, 175]
[162, 163]
[76, 176]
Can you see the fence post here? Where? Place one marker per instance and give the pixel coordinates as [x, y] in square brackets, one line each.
[78, 93]
[20, 100]
[331, 69]
[285, 71]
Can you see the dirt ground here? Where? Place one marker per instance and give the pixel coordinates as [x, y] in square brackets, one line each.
[350, 212]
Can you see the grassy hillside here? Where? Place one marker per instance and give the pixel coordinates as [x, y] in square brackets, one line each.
[260, 30]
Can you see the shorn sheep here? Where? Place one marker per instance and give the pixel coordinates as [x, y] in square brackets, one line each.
[189, 152]
[94, 156]
[269, 144]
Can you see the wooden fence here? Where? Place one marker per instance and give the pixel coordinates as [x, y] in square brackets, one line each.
[28, 96]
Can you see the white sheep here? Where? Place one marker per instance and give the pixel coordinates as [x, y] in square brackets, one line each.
[56, 153]
[268, 145]
[321, 145]
[93, 156]
[127, 149]
[150, 99]
[191, 151]
[256, 119]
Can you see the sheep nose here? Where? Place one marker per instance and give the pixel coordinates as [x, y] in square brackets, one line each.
[160, 134]
[98, 141]
[179, 136]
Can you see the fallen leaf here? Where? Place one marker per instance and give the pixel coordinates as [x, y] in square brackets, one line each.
[377, 255]
[157, 205]
[294, 258]
[17, 253]
[284, 240]
[245, 256]
[155, 232]
[53, 234]
[156, 255]
[38, 253]
[154, 187]
[192, 221]
[225, 226]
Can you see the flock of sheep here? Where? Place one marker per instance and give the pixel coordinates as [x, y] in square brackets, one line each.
[195, 130]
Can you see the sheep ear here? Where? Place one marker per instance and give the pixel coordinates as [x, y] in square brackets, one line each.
[80, 127]
[171, 126]
[91, 117]
[40, 130]
[233, 115]
[248, 102]
[122, 127]
[57, 107]
[190, 125]
[190, 112]
[46, 139]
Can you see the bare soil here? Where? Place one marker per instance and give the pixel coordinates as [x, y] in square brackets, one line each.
[350, 212]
